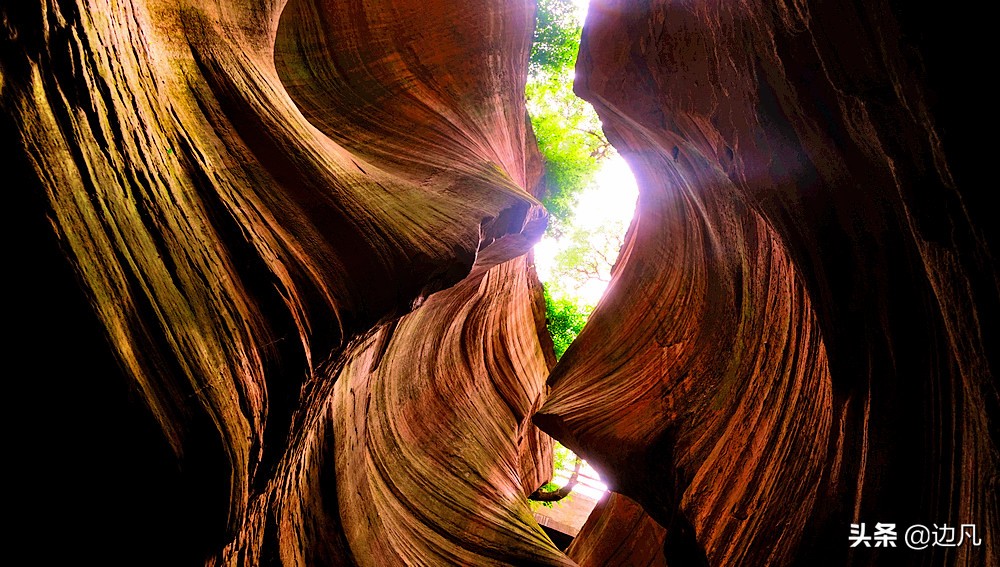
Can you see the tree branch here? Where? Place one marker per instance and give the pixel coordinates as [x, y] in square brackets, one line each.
[561, 492]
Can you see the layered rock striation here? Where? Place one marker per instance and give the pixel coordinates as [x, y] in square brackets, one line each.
[271, 278]
[240, 203]
[802, 318]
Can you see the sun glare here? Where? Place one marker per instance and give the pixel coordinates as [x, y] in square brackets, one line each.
[609, 200]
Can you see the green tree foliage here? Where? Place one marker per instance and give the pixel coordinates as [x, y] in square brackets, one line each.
[557, 36]
[572, 143]
[590, 254]
[565, 319]
[567, 128]
[570, 140]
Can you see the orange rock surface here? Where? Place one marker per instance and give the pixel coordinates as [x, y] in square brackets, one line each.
[272, 301]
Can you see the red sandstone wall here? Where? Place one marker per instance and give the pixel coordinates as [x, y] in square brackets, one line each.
[271, 306]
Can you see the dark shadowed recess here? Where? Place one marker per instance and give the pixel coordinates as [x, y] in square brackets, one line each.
[93, 472]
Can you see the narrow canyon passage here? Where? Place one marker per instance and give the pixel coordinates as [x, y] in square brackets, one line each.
[274, 301]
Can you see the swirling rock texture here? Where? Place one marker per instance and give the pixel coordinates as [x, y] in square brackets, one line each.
[272, 303]
[801, 332]
[242, 211]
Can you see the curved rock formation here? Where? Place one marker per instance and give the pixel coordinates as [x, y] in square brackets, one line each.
[801, 318]
[236, 222]
[273, 303]
[438, 415]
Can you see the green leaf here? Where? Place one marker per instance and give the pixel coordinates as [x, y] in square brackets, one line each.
[557, 36]
[565, 319]
[567, 128]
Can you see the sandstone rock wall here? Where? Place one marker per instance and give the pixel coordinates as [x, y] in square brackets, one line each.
[804, 318]
[271, 300]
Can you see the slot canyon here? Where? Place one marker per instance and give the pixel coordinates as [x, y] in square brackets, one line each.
[273, 299]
